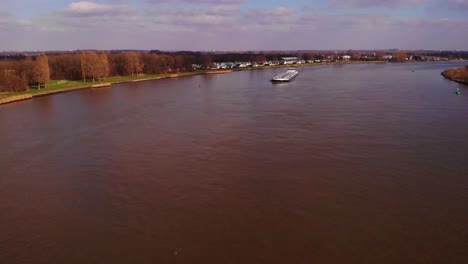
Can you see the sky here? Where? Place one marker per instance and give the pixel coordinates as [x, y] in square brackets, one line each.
[233, 25]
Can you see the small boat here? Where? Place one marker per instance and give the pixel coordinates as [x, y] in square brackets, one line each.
[286, 76]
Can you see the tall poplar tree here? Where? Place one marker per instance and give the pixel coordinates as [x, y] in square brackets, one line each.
[133, 63]
[90, 64]
[41, 71]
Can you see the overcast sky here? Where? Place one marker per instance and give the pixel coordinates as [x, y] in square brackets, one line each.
[233, 24]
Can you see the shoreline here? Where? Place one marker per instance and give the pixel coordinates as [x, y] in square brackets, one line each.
[456, 80]
[27, 95]
[7, 98]
[219, 71]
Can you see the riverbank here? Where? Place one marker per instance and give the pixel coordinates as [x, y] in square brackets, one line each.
[459, 75]
[15, 98]
[219, 71]
[64, 86]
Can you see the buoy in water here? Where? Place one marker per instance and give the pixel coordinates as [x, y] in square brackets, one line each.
[458, 92]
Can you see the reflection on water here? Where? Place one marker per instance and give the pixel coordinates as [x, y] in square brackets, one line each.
[346, 164]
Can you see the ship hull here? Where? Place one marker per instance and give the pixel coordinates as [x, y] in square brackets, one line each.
[286, 76]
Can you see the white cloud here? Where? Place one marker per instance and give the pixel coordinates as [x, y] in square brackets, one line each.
[224, 10]
[10, 22]
[108, 24]
[214, 18]
[213, 2]
[86, 8]
[375, 3]
[461, 5]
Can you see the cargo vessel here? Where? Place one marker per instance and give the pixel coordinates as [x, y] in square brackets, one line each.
[286, 76]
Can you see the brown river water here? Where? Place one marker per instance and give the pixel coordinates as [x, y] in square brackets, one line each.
[345, 164]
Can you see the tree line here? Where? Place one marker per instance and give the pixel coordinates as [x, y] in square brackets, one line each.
[18, 75]
[21, 72]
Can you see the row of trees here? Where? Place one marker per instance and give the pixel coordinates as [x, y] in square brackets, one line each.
[18, 75]
[90, 65]
[20, 72]
[94, 65]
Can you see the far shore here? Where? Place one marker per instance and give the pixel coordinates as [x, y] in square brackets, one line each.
[63, 86]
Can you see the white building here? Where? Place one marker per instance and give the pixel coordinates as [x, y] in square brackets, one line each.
[288, 60]
[346, 57]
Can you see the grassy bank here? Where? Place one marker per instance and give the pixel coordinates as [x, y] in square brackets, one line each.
[459, 75]
[61, 86]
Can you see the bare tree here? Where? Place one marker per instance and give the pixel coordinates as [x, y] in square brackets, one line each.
[65, 66]
[134, 65]
[90, 64]
[83, 65]
[41, 71]
[206, 61]
[103, 67]
[399, 56]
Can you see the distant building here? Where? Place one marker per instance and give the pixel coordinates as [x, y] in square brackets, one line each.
[346, 57]
[288, 60]
[387, 57]
[196, 66]
[368, 57]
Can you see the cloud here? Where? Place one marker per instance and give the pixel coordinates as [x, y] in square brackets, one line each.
[189, 19]
[374, 3]
[206, 16]
[360, 24]
[443, 8]
[458, 5]
[86, 9]
[275, 16]
[224, 10]
[86, 16]
[213, 2]
[5, 17]
[369, 31]
[224, 25]
[10, 22]
[276, 12]
[222, 18]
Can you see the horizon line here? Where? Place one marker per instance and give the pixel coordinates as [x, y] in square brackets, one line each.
[212, 51]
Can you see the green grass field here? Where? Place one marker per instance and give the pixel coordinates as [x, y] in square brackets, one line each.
[64, 85]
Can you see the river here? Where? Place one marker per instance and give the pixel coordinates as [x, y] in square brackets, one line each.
[345, 164]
